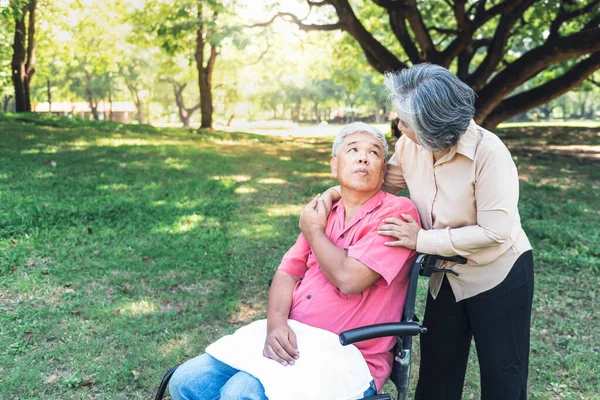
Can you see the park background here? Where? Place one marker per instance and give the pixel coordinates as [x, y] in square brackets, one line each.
[156, 155]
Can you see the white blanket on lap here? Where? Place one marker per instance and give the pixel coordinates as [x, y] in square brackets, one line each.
[324, 370]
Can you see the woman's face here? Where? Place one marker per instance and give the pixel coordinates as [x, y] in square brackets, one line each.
[407, 131]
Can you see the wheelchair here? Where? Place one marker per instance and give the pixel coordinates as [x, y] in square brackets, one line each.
[424, 265]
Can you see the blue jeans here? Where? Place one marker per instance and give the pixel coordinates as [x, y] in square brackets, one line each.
[206, 378]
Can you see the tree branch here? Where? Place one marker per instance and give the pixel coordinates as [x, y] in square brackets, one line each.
[549, 91]
[464, 58]
[564, 16]
[594, 22]
[484, 16]
[398, 25]
[291, 18]
[415, 19]
[495, 51]
[593, 82]
[318, 3]
[533, 62]
[445, 31]
[260, 57]
[460, 15]
[481, 16]
[193, 109]
[478, 6]
[389, 4]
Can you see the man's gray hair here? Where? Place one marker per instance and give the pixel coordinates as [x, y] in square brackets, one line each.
[433, 103]
[356, 127]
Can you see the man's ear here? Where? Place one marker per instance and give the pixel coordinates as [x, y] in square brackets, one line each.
[333, 164]
[383, 171]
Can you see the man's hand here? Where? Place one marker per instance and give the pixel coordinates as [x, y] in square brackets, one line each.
[406, 231]
[330, 196]
[281, 345]
[313, 218]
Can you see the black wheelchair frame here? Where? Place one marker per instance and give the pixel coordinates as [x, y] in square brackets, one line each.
[424, 265]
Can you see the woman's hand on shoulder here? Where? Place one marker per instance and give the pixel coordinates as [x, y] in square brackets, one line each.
[405, 231]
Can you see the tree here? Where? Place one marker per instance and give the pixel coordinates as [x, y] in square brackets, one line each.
[23, 60]
[172, 55]
[204, 39]
[6, 87]
[207, 23]
[494, 46]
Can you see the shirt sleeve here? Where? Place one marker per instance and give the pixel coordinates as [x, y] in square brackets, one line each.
[294, 262]
[496, 197]
[394, 177]
[371, 251]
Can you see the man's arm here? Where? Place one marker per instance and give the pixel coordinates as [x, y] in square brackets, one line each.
[280, 344]
[347, 273]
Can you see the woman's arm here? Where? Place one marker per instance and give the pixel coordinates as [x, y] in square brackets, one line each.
[496, 202]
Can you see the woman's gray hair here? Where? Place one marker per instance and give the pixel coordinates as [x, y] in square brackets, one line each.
[356, 127]
[432, 102]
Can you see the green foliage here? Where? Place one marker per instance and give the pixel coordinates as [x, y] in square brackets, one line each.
[6, 40]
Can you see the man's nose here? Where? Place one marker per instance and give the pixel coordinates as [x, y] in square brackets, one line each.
[363, 157]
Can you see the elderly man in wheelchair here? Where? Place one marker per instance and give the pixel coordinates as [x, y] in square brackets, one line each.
[338, 276]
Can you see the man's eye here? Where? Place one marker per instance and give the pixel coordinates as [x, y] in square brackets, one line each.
[374, 152]
[352, 149]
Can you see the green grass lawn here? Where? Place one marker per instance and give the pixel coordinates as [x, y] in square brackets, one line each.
[125, 250]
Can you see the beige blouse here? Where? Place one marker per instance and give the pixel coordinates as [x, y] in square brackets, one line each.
[467, 201]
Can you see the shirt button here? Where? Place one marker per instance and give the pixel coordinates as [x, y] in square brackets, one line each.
[342, 236]
[309, 296]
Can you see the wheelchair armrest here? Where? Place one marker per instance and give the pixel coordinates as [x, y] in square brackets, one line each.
[380, 330]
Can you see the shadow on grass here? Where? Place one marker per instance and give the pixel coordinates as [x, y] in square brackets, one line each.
[136, 248]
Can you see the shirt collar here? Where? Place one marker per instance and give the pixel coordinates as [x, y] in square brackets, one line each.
[365, 209]
[468, 141]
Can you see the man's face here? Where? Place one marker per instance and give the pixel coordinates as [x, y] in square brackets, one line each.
[360, 163]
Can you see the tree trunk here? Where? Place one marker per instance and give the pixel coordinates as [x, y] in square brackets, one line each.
[110, 102]
[205, 72]
[23, 61]
[185, 114]
[90, 97]
[546, 109]
[7, 100]
[49, 94]
[136, 100]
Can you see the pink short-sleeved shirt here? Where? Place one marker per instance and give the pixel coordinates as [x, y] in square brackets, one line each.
[317, 302]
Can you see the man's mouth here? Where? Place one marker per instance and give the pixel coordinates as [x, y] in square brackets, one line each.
[361, 171]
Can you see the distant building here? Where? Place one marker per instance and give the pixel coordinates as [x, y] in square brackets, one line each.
[122, 111]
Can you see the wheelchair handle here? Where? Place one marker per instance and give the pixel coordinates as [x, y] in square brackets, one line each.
[456, 259]
[381, 330]
[428, 263]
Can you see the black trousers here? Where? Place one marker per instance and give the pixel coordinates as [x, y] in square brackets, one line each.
[499, 321]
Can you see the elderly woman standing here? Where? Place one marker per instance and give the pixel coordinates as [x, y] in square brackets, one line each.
[464, 183]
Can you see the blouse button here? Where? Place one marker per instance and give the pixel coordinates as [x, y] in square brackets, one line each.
[309, 296]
